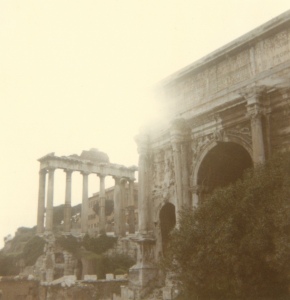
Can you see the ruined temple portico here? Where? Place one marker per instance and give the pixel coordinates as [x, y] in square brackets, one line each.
[90, 162]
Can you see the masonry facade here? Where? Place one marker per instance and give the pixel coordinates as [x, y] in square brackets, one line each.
[226, 112]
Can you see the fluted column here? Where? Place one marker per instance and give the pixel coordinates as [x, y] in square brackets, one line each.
[41, 201]
[255, 112]
[102, 204]
[178, 135]
[67, 204]
[143, 184]
[123, 206]
[84, 216]
[117, 206]
[49, 206]
[178, 175]
[131, 207]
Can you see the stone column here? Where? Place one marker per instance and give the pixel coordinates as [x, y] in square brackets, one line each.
[255, 111]
[84, 216]
[49, 206]
[185, 175]
[178, 175]
[67, 204]
[178, 136]
[143, 184]
[41, 201]
[131, 207]
[102, 215]
[117, 206]
[123, 206]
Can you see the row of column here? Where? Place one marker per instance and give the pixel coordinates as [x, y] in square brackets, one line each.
[121, 202]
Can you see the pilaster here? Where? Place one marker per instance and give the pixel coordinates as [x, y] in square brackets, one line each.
[255, 111]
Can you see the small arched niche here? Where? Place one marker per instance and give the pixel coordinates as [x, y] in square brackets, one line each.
[167, 223]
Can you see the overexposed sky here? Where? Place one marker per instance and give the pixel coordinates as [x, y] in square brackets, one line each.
[75, 75]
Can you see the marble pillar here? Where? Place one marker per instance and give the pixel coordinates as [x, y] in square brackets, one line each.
[41, 201]
[123, 204]
[117, 206]
[67, 204]
[145, 226]
[178, 136]
[102, 205]
[84, 215]
[131, 207]
[49, 206]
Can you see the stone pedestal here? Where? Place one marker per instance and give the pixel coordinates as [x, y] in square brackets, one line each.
[143, 275]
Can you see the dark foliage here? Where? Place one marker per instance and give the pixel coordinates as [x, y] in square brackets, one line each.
[8, 265]
[32, 250]
[236, 244]
[100, 244]
[70, 244]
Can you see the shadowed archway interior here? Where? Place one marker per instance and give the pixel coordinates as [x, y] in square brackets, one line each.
[167, 223]
[224, 164]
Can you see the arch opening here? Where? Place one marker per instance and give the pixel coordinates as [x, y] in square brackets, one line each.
[167, 223]
[224, 164]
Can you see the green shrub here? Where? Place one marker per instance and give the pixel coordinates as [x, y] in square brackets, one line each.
[32, 250]
[8, 264]
[236, 244]
[100, 244]
[70, 244]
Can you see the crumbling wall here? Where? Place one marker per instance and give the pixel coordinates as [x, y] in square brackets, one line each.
[25, 289]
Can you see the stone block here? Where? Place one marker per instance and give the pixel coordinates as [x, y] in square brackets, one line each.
[90, 277]
[167, 293]
[110, 276]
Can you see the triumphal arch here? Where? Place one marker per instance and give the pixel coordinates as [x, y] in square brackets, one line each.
[226, 112]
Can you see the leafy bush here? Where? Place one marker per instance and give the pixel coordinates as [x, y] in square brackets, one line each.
[70, 244]
[236, 244]
[100, 244]
[8, 265]
[32, 250]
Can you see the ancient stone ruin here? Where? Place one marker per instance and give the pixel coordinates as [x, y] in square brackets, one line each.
[226, 112]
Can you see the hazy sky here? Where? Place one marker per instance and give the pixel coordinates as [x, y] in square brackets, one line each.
[74, 75]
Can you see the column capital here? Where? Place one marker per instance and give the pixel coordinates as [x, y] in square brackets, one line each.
[252, 93]
[142, 141]
[123, 180]
[68, 171]
[179, 132]
[85, 173]
[100, 175]
[254, 111]
[51, 169]
[42, 171]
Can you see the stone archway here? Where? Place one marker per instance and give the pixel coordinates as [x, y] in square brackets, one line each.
[167, 223]
[223, 164]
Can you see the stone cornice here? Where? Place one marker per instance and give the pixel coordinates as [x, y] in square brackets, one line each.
[236, 45]
[50, 161]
